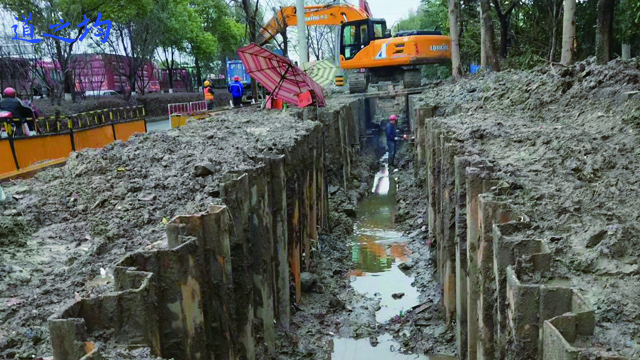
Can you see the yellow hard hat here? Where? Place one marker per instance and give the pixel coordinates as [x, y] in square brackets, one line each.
[207, 83]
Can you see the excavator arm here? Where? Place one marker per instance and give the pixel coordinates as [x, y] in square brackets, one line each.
[314, 15]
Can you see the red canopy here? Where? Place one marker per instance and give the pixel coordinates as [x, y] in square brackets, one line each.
[279, 75]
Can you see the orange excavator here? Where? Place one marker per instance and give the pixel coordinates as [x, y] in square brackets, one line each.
[367, 49]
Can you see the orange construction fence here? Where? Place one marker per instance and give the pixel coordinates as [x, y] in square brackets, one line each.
[88, 130]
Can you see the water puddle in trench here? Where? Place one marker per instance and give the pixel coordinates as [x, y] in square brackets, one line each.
[377, 251]
[387, 349]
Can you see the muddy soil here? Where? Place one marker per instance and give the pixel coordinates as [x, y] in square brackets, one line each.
[423, 330]
[566, 143]
[330, 307]
[62, 231]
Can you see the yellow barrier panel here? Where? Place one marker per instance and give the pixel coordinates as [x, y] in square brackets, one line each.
[7, 164]
[93, 138]
[125, 130]
[31, 150]
[177, 121]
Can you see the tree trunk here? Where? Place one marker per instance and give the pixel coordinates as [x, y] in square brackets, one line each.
[64, 71]
[553, 44]
[604, 33]
[626, 51]
[487, 42]
[483, 53]
[504, 35]
[456, 70]
[198, 71]
[568, 32]
[554, 26]
[250, 16]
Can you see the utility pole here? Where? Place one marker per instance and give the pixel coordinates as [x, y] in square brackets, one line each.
[337, 36]
[302, 33]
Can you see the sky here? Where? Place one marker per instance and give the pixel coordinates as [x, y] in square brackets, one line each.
[391, 10]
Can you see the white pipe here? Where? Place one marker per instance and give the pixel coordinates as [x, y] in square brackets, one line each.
[302, 33]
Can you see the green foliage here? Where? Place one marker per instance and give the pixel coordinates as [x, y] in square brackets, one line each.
[124, 11]
[220, 35]
[586, 21]
[627, 25]
[430, 14]
[436, 71]
[525, 60]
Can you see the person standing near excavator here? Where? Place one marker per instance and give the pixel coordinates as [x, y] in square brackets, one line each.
[208, 94]
[390, 131]
[237, 90]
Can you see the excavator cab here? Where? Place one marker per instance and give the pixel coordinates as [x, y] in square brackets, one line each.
[356, 35]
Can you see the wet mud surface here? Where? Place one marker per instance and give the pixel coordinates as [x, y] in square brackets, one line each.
[565, 145]
[62, 231]
[388, 304]
[564, 141]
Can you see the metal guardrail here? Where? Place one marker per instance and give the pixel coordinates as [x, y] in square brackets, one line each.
[198, 107]
[57, 124]
[187, 109]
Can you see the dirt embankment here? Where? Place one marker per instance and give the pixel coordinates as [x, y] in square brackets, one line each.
[566, 141]
[61, 229]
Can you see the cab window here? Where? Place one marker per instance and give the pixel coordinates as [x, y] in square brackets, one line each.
[377, 31]
[364, 34]
[349, 35]
[350, 41]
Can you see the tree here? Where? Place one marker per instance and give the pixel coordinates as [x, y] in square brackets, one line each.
[555, 11]
[218, 39]
[179, 25]
[505, 19]
[490, 58]
[456, 69]
[134, 35]
[627, 25]
[568, 32]
[253, 22]
[46, 15]
[604, 34]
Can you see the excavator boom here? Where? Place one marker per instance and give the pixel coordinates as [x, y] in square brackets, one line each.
[314, 15]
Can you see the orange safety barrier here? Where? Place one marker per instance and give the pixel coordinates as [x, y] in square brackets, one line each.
[93, 138]
[7, 164]
[93, 129]
[34, 149]
[125, 130]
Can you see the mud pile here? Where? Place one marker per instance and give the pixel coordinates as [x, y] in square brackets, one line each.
[63, 230]
[564, 143]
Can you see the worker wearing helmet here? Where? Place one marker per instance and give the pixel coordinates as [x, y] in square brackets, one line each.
[208, 94]
[20, 113]
[237, 90]
[390, 131]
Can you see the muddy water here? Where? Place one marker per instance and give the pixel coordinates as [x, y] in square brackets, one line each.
[386, 349]
[377, 251]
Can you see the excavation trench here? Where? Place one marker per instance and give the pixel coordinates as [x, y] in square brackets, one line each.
[207, 230]
[377, 251]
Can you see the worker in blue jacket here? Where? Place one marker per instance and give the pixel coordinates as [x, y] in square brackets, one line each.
[390, 131]
[237, 90]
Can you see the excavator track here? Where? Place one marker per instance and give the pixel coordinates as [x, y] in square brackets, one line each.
[357, 83]
[412, 78]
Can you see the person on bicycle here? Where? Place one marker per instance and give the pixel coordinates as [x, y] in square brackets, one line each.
[18, 110]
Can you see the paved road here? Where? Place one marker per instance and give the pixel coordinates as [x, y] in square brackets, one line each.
[158, 125]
